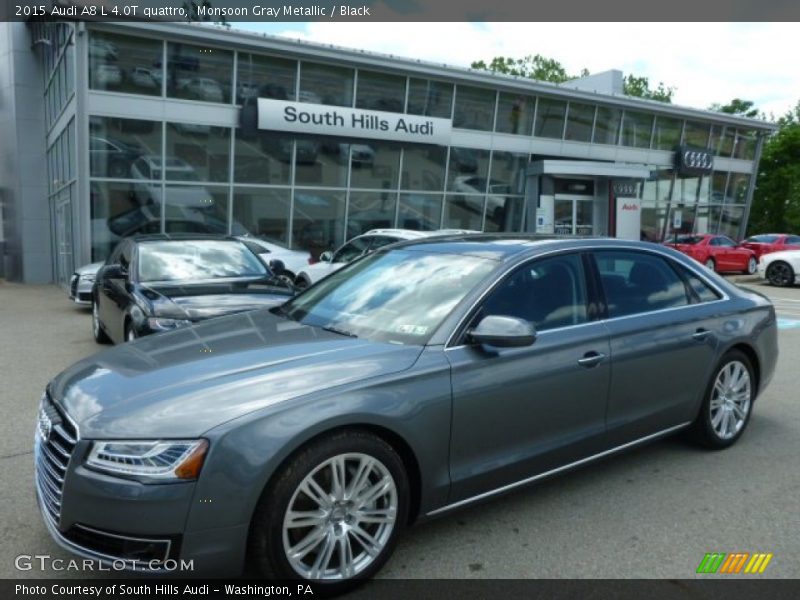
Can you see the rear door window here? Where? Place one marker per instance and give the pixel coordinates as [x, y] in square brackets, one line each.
[638, 282]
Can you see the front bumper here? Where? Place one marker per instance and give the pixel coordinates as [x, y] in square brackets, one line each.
[80, 290]
[130, 526]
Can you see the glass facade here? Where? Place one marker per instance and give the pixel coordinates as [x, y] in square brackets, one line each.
[315, 192]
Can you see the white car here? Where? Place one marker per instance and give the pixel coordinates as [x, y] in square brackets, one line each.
[358, 246]
[81, 282]
[205, 89]
[293, 261]
[143, 78]
[146, 170]
[104, 76]
[780, 268]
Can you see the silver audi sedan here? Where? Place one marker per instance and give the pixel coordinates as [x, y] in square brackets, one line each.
[414, 381]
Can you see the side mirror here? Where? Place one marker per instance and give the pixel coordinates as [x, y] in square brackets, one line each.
[277, 266]
[114, 272]
[326, 256]
[503, 332]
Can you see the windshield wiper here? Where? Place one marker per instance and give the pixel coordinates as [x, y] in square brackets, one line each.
[339, 331]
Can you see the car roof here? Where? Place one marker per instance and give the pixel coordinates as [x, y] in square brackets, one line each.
[181, 237]
[507, 246]
[406, 234]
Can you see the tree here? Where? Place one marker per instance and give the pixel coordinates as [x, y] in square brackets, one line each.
[548, 69]
[639, 87]
[533, 67]
[193, 14]
[737, 106]
[776, 201]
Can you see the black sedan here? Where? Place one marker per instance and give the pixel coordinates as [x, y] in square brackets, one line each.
[162, 282]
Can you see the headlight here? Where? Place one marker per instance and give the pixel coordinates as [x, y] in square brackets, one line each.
[161, 459]
[159, 324]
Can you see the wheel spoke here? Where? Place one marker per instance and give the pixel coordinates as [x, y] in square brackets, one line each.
[338, 477]
[323, 557]
[739, 411]
[304, 518]
[377, 515]
[375, 492]
[725, 423]
[717, 418]
[360, 479]
[315, 493]
[370, 544]
[308, 543]
[345, 557]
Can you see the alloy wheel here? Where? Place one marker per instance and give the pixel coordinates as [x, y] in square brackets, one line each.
[752, 265]
[340, 518]
[95, 320]
[730, 400]
[779, 274]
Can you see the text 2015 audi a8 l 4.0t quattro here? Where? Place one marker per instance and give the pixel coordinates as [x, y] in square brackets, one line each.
[415, 380]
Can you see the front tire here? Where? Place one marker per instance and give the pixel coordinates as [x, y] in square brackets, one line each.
[780, 274]
[301, 283]
[333, 513]
[727, 404]
[97, 328]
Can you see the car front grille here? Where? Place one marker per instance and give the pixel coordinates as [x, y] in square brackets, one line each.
[56, 437]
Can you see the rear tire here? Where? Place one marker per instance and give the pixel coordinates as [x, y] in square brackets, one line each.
[727, 404]
[711, 264]
[752, 265]
[780, 274]
[97, 327]
[333, 512]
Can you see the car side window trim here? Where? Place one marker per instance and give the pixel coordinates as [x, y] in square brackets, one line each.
[453, 340]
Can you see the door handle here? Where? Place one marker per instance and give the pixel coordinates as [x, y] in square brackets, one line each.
[701, 334]
[590, 359]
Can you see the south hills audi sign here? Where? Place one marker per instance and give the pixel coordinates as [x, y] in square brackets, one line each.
[321, 119]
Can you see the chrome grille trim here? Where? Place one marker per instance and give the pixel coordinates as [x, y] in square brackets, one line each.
[52, 456]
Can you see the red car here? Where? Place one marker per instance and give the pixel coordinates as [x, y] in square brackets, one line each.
[771, 242]
[718, 252]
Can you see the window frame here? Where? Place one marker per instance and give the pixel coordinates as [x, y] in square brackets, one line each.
[675, 266]
[458, 337]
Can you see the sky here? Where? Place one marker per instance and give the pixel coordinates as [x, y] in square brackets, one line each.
[706, 63]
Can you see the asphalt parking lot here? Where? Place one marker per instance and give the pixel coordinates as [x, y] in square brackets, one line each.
[652, 512]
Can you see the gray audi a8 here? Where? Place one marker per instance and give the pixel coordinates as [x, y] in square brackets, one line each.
[302, 439]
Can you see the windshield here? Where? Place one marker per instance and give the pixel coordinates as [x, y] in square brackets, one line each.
[399, 296]
[197, 260]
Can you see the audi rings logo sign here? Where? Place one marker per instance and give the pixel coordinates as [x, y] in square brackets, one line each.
[693, 161]
[45, 425]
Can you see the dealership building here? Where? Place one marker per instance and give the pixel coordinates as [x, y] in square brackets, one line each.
[112, 129]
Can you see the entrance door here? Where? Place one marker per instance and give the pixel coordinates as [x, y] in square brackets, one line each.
[63, 236]
[574, 215]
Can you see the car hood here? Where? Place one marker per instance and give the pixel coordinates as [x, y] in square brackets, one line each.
[790, 256]
[90, 269]
[200, 301]
[183, 383]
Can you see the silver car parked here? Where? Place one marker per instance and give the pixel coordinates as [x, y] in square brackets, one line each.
[415, 380]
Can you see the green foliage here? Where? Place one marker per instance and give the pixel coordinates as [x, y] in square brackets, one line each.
[640, 88]
[737, 106]
[776, 201]
[533, 67]
[548, 69]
